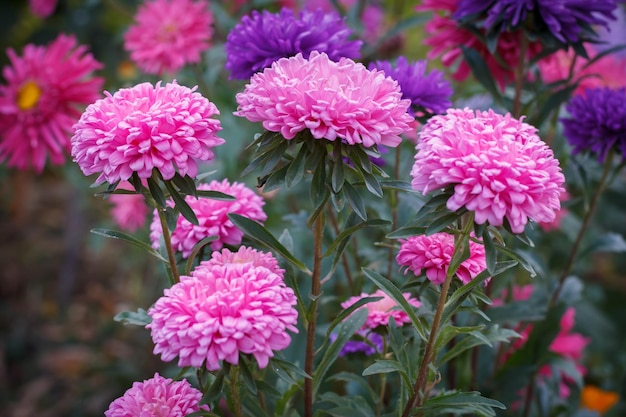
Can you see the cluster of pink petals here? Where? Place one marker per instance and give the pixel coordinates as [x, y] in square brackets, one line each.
[42, 8]
[243, 255]
[169, 34]
[607, 71]
[157, 397]
[212, 217]
[168, 128]
[379, 312]
[446, 36]
[129, 211]
[433, 253]
[46, 90]
[333, 100]
[499, 167]
[222, 311]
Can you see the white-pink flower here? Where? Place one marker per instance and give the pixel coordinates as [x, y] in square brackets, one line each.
[499, 167]
[334, 100]
[379, 312]
[221, 312]
[243, 255]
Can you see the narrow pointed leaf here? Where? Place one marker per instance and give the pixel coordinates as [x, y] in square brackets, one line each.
[113, 234]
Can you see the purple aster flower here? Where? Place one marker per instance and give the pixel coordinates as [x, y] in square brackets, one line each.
[569, 21]
[428, 92]
[262, 38]
[374, 344]
[597, 122]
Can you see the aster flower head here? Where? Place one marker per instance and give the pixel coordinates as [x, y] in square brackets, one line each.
[169, 34]
[499, 168]
[434, 253]
[212, 217]
[428, 92]
[46, 89]
[136, 130]
[129, 211]
[597, 122]
[262, 38]
[157, 397]
[42, 8]
[217, 313]
[379, 312]
[333, 100]
[243, 255]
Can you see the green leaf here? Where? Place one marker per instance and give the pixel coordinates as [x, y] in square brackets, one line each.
[371, 183]
[138, 318]
[355, 201]
[185, 184]
[371, 396]
[215, 195]
[129, 239]
[247, 376]
[609, 242]
[481, 71]
[398, 185]
[347, 311]
[525, 263]
[275, 180]
[318, 184]
[196, 249]
[488, 336]
[181, 204]
[351, 230]
[449, 332]
[385, 366]
[490, 251]
[156, 193]
[459, 403]
[216, 388]
[443, 222]
[260, 234]
[407, 231]
[338, 176]
[295, 172]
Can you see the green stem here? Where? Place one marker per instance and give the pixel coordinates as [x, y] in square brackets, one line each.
[383, 382]
[235, 387]
[318, 229]
[394, 212]
[583, 228]
[174, 276]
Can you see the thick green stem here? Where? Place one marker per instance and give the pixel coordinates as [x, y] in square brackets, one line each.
[174, 276]
[394, 212]
[235, 387]
[316, 287]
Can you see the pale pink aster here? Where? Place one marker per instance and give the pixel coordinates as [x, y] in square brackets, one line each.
[146, 127]
[333, 100]
[42, 8]
[499, 167]
[212, 217]
[169, 34]
[46, 90]
[379, 312]
[560, 215]
[129, 211]
[218, 313]
[243, 255]
[433, 253]
[157, 397]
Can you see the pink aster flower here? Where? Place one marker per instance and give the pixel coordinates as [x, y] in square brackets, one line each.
[243, 256]
[212, 218]
[220, 312]
[129, 211]
[146, 127]
[332, 99]
[157, 397]
[42, 8]
[434, 253]
[169, 34]
[379, 312]
[499, 167]
[45, 92]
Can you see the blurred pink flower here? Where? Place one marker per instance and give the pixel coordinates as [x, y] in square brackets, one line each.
[242, 256]
[212, 217]
[499, 167]
[146, 127]
[42, 8]
[379, 312]
[332, 99]
[556, 223]
[45, 93]
[157, 397]
[223, 311]
[129, 211]
[169, 34]
[434, 253]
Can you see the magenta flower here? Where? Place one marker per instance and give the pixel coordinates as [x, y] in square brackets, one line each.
[332, 99]
[220, 312]
[499, 167]
[45, 92]
[212, 218]
[157, 397]
[169, 34]
[42, 8]
[434, 253]
[379, 312]
[243, 256]
[146, 127]
[129, 211]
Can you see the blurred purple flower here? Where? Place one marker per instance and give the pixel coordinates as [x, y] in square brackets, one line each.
[263, 38]
[428, 92]
[373, 345]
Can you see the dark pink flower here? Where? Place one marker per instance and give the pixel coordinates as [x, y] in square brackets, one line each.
[212, 218]
[433, 253]
[45, 92]
[169, 34]
[220, 312]
[499, 167]
[42, 8]
[168, 128]
[379, 312]
[334, 100]
[157, 397]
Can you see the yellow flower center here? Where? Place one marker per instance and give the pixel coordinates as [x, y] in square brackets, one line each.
[596, 399]
[28, 96]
